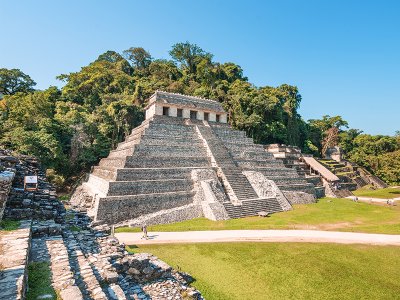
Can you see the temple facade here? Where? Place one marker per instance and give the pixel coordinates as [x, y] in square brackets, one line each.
[184, 161]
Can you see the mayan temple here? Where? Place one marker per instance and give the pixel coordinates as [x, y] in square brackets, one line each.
[184, 161]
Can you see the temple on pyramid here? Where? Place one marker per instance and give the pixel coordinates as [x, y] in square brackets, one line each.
[184, 161]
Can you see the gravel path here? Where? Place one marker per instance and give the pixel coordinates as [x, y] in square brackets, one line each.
[309, 236]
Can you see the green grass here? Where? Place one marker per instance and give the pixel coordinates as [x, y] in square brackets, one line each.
[286, 270]
[9, 225]
[386, 193]
[39, 282]
[75, 228]
[64, 198]
[327, 214]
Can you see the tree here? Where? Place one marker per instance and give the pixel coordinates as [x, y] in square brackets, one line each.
[14, 81]
[189, 55]
[290, 98]
[325, 132]
[139, 57]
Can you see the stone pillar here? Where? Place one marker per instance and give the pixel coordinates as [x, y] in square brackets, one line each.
[186, 113]
[158, 110]
[173, 111]
[200, 115]
[212, 117]
[223, 118]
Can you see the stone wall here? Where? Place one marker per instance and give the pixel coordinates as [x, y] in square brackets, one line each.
[6, 178]
[296, 197]
[267, 188]
[178, 214]
[210, 194]
[117, 209]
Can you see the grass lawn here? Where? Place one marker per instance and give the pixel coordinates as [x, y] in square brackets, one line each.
[286, 270]
[388, 193]
[9, 225]
[327, 214]
[39, 282]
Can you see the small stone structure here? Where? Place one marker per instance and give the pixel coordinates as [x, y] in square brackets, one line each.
[334, 153]
[185, 161]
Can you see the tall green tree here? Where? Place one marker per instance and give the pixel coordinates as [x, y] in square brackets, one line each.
[189, 55]
[139, 58]
[14, 81]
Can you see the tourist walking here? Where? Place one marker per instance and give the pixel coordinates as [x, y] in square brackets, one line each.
[144, 230]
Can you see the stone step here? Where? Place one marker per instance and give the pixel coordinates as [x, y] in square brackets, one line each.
[171, 134]
[128, 144]
[83, 271]
[112, 162]
[130, 174]
[105, 173]
[252, 207]
[170, 142]
[167, 151]
[135, 136]
[116, 209]
[168, 162]
[61, 272]
[118, 188]
[119, 153]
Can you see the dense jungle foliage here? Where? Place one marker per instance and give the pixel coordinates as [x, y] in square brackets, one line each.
[71, 128]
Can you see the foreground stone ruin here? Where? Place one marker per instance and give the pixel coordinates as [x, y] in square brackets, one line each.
[184, 161]
[85, 262]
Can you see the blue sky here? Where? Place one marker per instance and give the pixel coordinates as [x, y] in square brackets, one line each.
[344, 56]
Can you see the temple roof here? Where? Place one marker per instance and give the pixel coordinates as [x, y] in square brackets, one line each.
[186, 101]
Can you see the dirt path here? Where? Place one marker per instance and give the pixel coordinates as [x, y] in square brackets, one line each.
[309, 236]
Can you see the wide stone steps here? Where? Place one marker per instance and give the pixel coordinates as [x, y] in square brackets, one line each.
[170, 133]
[170, 128]
[118, 188]
[254, 163]
[86, 279]
[238, 182]
[167, 162]
[105, 173]
[135, 135]
[287, 180]
[61, 271]
[120, 153]
[252, 207]
[161, 149]
[169, 142]
[121, 208]
[276, 172]
[304, 187]
[130, 174]
[115, 162]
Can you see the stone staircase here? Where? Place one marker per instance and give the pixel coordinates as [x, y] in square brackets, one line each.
[250, 156]
[250, 204]
[237, 181]
[350, 180]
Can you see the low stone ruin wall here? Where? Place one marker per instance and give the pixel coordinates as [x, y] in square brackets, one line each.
[5, 187]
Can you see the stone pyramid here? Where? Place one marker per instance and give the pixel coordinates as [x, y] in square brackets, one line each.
[184, 161]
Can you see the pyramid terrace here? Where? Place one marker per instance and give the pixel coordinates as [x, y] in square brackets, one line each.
[184, 161]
